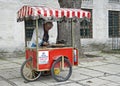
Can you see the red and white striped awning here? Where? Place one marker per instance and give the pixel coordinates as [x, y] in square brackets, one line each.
[46, 12]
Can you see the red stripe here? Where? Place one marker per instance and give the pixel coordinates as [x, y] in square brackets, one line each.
[29, 11]
[23, 11]
[45, 13]
[73, 13]
[62, 13]
[56, 13]
[39, 12]
[78, 14]
[26, 11]
[83, 15]
[51, 12]
[68, 14]
[20, 13]
[88, 15]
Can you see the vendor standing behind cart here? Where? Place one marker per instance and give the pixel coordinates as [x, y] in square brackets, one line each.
[43, 36]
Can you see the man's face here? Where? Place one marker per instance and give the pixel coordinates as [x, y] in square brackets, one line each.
[48, 26]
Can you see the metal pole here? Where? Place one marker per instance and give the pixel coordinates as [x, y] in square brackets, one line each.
[37, 34]
[72, 29]
[72, 25]
[36, 21]
[62, 62]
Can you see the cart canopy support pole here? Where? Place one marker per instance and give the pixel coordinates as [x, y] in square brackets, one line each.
[37, 34]
[73, 37]
[36, 23]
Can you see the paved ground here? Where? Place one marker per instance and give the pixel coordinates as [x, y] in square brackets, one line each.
[102, 70]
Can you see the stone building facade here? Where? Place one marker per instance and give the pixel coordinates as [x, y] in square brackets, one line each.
[103, 24]
[12, 33]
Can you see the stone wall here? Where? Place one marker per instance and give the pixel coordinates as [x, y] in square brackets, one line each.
[12, 32]
[100, 10]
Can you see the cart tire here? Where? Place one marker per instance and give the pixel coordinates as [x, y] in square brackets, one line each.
[27, 71]
[60, 74]
[45, 73]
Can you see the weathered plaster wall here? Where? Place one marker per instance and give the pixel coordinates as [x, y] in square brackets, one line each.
[11, 32]
[100, 10]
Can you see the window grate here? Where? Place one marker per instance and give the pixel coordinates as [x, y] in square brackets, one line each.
[114, 1]
[87, 0]
[114, 24]
[114, 28]
[86, 27]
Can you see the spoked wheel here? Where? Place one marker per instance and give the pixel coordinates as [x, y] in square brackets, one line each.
[61, 69]
[45, 73]
[27, 71]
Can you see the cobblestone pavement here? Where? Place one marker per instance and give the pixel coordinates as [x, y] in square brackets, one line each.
[102, 70]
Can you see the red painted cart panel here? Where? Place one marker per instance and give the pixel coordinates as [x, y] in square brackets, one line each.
[54, 54]
[47, 56]
[32, 53]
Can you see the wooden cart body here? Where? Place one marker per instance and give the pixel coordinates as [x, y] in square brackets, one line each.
[43, 58]
[47, 56]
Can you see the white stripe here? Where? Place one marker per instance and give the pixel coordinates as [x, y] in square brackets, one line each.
[76, 13]
[47, 10]
[59, 13]
[34, 11]
[53, 12]
[41, 10]
[81, 13]
[65, 12]
[18, 14]
[86, 14]
[23, 12]
[70, 13]
[26, 13]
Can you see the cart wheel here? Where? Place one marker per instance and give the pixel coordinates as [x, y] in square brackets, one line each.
[27, 71]
[45, 73]
[61, 74]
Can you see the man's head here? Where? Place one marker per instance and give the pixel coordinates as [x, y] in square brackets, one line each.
[48, 26]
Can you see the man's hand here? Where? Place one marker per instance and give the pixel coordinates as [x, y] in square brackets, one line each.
[45, 43]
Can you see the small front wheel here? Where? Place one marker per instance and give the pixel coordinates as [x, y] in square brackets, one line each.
[27, 71]
[61, 71]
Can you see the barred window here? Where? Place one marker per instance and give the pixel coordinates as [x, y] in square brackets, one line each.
[86, 27]
[87, 0]
[114, 24]
[29, 27]
[116, 1]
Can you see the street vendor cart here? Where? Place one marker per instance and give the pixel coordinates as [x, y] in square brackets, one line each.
[57, 59]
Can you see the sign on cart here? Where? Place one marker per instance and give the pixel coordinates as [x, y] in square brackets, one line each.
[43, 57]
